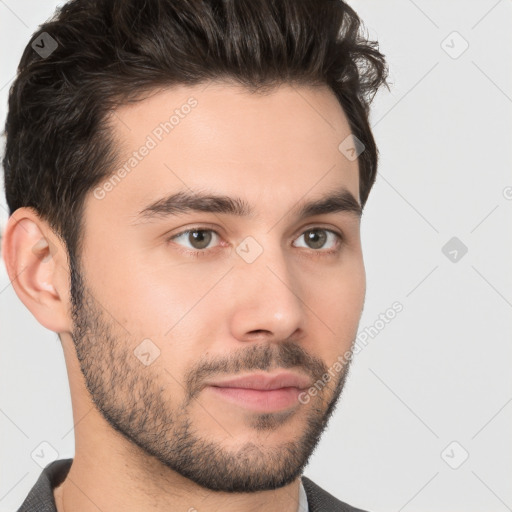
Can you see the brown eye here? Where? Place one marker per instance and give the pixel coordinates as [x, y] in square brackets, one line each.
[199, 239]
[317, 238]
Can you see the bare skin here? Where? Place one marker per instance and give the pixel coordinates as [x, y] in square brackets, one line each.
[179, 445]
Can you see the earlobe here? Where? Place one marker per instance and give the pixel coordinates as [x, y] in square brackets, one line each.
[37, 270]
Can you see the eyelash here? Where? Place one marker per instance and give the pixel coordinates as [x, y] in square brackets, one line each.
[206, 252]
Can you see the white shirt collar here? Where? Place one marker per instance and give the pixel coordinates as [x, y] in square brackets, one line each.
[303, 499]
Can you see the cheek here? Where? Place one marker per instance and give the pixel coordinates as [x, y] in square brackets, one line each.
[344, 303]
[338, 303]
[160, 304]
[342, 308]
[175, 311]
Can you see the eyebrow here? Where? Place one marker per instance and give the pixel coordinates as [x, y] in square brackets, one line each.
[341, 200]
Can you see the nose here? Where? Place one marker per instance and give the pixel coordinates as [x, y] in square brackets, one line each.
[266, 299]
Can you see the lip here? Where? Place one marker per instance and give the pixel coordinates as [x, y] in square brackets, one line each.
[262, 393]
[265, 381]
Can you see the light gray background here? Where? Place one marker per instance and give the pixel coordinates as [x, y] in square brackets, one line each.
[440, 371]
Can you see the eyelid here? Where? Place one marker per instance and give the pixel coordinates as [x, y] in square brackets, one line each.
[312, 253]
[302, 230]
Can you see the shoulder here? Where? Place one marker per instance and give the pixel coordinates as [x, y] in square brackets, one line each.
[40, 498]
[320, 500]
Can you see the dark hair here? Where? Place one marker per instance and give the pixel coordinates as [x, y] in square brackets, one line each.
[110, 52]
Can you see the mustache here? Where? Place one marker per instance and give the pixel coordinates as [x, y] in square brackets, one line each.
[286, 354]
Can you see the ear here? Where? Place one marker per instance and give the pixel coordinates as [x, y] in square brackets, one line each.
[37, 266]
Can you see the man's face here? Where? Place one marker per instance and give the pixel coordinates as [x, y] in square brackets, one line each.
[158, 328]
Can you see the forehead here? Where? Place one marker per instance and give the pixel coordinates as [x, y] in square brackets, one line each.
[273, 149]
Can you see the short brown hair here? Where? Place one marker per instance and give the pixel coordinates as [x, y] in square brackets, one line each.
[109, 52]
